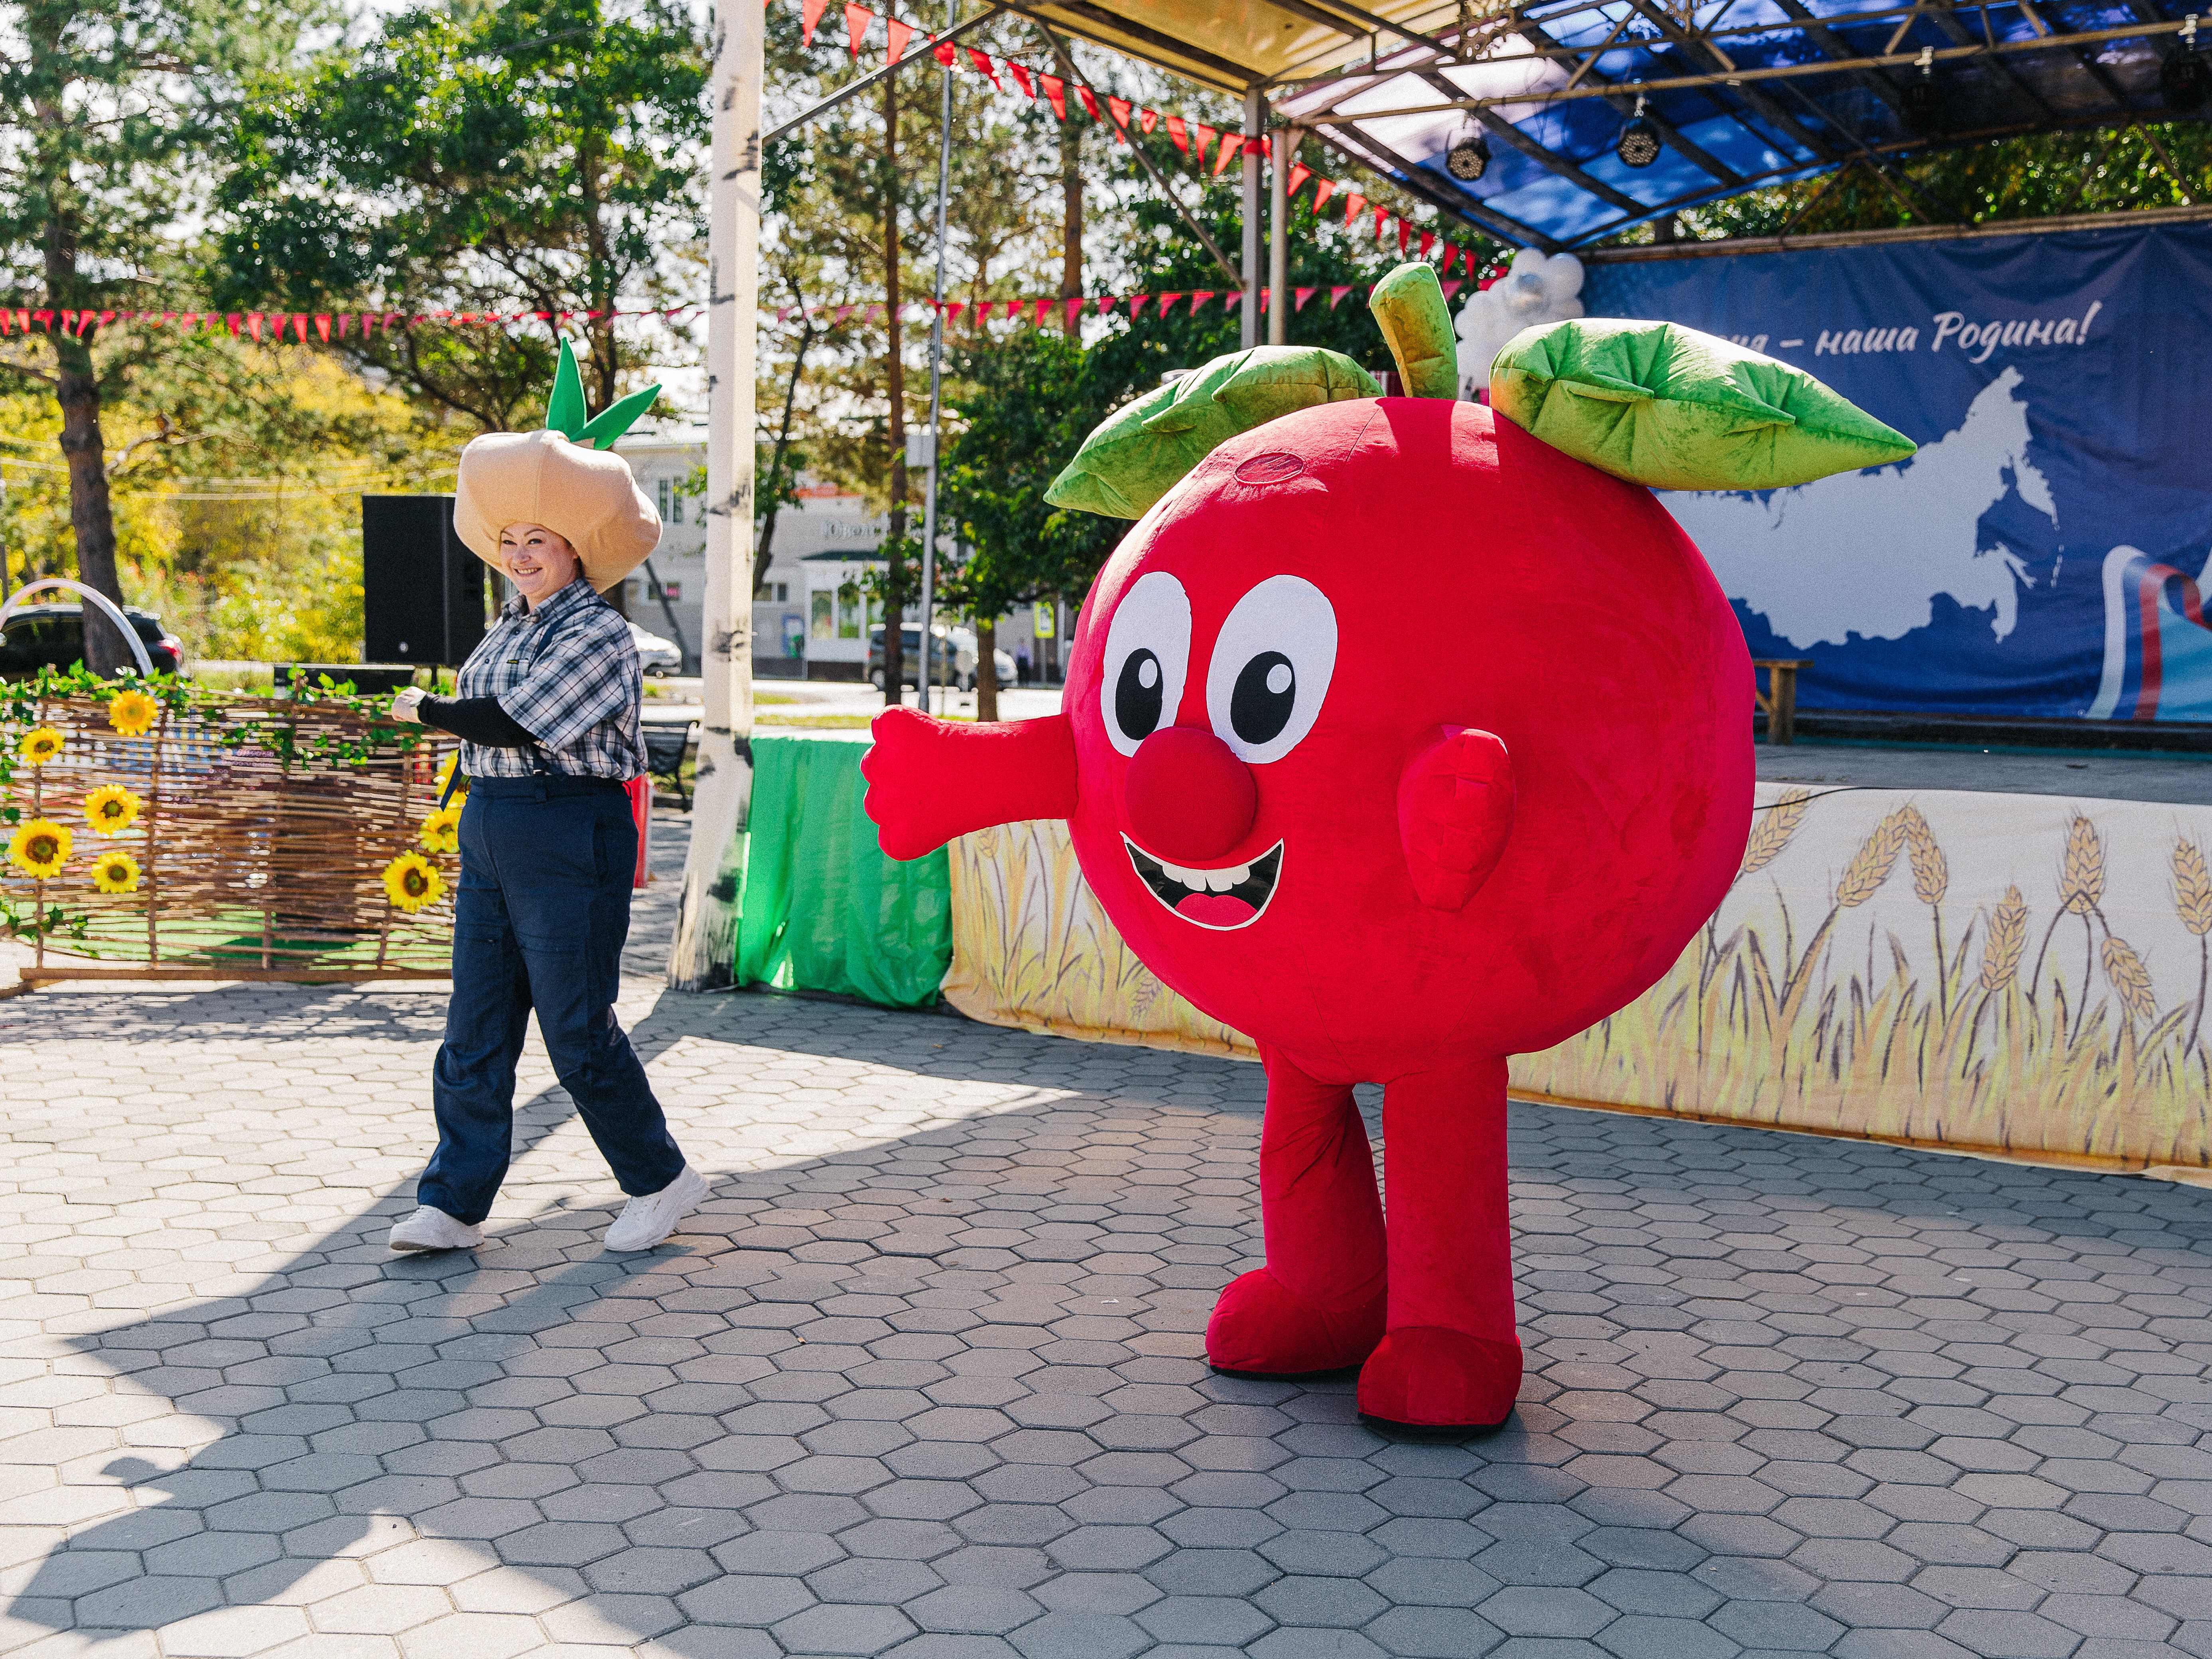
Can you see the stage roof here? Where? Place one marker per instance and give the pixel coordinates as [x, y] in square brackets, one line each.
[1741, 93]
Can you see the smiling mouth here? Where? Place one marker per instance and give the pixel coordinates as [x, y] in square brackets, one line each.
[1220, 899]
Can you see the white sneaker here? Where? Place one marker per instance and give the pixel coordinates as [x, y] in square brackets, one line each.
[646, 1221]
[433, 1230]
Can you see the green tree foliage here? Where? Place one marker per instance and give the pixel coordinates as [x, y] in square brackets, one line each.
[535, 155]
[108, 111]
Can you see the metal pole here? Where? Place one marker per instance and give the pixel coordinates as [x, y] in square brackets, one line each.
[1279, 239]
[1256, 123]
[936, 375]
[704, 949]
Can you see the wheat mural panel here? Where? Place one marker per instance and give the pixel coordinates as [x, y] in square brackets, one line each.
[2018, 974]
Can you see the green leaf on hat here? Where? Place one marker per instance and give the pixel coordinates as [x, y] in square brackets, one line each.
[1145, 448]
[616, 418]
[564, 409]
[1409, 308]
[1660, 405]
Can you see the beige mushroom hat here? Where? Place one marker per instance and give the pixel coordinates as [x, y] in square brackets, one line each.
[565, 477]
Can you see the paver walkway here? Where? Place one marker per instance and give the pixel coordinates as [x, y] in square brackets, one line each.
[924, 1377]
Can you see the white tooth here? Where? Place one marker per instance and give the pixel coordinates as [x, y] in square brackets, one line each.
[1221, 880]
[1240, 875]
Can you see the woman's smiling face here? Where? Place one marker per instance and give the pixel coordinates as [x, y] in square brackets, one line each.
[538, 562]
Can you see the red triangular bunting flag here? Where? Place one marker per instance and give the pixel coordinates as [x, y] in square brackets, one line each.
[1299, 174]
[1230, 143]
[1199, 300]
[1055, 89]
[985, 67]
[1445, 264]
[898, 34]
[945, 52]
[1178, 134]
[1322, 191]
[1452, 286]
[1428, 241]
[1405, 237]
[1137, 304]
[1120, 108]
[1106, 303]
[1382, 218]
[1168, 303]
[857, 19]
[1147, 118]
[1299, 296]
[322, 327]
[844, 312]
[952, 310]
[1042, 306]
[810, 15]
[1337, 294]
[1073, 307]
[254, 320]
[1022, 79]
[1202, 135]
[1352, 204]
[1090, 104]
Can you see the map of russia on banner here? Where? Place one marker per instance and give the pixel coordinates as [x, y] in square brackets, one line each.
[2046, 551]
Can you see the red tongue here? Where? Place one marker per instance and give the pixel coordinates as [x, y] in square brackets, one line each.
[1216, 909]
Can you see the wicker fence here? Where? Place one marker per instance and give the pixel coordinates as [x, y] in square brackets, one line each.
[154, 830]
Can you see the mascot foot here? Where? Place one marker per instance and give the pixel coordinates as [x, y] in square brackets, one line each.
[1427, 1376]
[1261, 1327]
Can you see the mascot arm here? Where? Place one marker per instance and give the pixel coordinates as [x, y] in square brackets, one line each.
[1454, 813]
[931, 779]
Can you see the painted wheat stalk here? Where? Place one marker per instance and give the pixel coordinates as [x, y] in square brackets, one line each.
[2192, 902]
[1931, 880]
[1771, 828]
[2007, 939]
[2129, 977]
[1871, 865]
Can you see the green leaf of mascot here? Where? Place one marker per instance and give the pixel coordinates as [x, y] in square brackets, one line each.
[1403, 736]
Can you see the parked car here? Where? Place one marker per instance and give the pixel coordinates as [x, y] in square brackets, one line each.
[961, 642]
[40, 634]
[655, 654]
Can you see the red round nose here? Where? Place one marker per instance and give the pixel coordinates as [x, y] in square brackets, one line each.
[1189, 799]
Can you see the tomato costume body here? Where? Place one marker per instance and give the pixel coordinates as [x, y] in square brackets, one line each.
[1402, 742]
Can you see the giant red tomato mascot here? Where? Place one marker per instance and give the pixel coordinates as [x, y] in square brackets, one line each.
[1402, 741]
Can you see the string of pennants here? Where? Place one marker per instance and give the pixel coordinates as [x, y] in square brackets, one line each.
[1135, 305]
[1192, 138]
[274, 327]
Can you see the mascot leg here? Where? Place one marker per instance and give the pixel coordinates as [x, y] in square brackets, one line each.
[1318, 1305]
[1450, 1358]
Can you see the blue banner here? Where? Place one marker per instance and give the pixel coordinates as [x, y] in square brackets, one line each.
[2046, 551]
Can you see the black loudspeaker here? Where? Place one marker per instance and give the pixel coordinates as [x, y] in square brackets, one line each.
[423, 591]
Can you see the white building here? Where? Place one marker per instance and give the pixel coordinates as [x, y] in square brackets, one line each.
[810, 616]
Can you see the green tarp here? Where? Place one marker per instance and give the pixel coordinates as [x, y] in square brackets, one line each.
[823, 908]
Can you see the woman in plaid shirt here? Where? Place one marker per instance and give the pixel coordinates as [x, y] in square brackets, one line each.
[547, 713]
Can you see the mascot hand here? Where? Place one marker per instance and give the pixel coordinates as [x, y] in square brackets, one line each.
[1455, 813]
[930, 779]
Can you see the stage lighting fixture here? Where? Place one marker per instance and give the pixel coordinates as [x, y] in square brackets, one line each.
[1468, 158]
[1639, 140]
[1923, 99]
[2185, 79]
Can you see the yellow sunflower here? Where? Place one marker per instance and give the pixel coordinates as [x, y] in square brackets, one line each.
[40, 745]
[446, 774]
[441, 831]
[112, 809]
[39, 848]
[410, 883]
[132, 713]
[115, 872]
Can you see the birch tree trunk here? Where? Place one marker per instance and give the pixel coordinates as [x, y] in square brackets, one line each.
[705, 949]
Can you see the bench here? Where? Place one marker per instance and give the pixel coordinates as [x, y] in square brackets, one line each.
[666, 742]
[1778, 703]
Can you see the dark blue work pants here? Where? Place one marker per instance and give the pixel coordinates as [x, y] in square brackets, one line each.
[539, 922]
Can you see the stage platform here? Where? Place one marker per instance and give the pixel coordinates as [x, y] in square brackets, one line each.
[2185, 779]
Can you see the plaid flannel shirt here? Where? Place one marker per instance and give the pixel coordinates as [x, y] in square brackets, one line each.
[568, 673]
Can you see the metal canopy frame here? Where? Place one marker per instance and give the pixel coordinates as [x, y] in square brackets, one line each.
[1742, 93]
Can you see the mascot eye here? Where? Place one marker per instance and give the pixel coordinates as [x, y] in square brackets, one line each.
[1271, 668]
[1147, 654]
